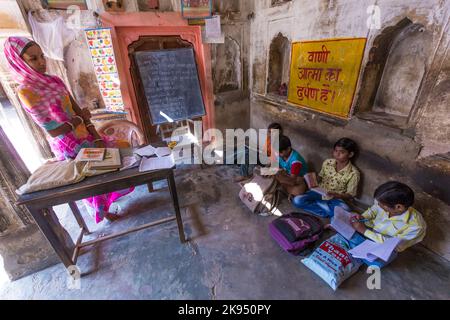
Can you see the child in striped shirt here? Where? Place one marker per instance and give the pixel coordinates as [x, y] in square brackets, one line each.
[392, 215]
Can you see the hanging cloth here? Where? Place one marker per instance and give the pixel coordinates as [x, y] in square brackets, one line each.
[51, 36]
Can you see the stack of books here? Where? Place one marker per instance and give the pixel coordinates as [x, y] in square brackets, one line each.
[100, 158]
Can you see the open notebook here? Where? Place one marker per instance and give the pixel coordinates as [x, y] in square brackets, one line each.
[341, 223]
[311, 181]
[371, 251]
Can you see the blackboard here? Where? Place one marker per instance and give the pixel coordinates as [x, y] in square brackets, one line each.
[171, 84]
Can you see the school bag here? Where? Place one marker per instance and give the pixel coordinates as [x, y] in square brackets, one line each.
[296, 232]
[260, 194]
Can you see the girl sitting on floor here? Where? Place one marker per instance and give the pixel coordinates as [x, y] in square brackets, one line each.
[339, 177]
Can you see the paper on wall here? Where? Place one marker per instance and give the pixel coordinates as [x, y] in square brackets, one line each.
[212, 27]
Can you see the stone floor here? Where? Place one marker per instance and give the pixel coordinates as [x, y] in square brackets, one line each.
[230, 255]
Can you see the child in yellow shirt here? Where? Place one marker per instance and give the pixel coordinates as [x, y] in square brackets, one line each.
[392, 215]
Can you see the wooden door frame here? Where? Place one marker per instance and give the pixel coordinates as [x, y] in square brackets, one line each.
[161, 43]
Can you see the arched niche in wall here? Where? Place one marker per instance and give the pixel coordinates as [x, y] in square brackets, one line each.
[274, 3]
[279, 63]
[392, 78]
[227, 71]
[148, 5]
[226, 6]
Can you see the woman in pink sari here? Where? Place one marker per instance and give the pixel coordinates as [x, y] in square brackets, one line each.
[51, 106]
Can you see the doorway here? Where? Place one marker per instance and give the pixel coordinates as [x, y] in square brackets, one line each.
[18, 135]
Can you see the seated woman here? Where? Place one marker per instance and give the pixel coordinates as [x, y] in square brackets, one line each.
[51, 106]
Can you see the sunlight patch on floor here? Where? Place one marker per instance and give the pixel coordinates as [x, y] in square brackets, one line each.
[3, 276]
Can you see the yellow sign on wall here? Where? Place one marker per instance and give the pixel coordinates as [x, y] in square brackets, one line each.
[324, 74]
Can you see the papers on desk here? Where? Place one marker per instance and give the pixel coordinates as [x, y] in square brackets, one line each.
[150, 164]
[146, 151]
[371, 251]
[149, 151]
[163, 151]
[341, 223]
[130, 162]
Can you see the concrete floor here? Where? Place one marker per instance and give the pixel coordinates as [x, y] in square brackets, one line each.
[230, 256]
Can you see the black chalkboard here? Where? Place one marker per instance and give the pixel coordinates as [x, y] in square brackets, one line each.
[171, 84]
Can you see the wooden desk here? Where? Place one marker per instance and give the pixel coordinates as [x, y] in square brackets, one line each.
[38, 203]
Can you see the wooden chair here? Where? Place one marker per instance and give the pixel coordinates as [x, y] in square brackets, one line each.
[123, 130]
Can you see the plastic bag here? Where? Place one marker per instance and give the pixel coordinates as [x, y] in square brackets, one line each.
[51, 36]
[332, 262]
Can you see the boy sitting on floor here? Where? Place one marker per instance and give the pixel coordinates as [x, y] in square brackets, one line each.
[338, 177]
[392, 215]
[246, 170]
[293, 168]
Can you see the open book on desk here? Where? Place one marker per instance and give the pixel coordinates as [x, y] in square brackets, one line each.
[146, 151]
[149, 151]
[371, 251]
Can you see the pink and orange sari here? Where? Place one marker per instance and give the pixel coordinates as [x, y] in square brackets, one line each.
[47, 100]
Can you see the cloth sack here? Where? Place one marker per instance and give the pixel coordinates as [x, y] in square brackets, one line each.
[54, 174]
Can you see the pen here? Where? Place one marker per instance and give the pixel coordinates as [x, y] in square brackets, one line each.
[361, 220]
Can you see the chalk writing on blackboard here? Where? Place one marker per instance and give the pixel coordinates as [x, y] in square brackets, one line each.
[171, 84]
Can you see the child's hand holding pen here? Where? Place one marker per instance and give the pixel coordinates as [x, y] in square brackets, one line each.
[357, 222]
[358, 218]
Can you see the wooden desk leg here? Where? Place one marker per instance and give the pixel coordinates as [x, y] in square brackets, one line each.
[40, 216]
[77, 214]
[173, 192]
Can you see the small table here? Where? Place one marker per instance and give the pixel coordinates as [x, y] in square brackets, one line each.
[39, 203]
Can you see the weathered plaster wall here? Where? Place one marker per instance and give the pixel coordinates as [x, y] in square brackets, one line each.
[433, 119]
[230, 66]
[409, 59]
[77, 69]
[387, 152]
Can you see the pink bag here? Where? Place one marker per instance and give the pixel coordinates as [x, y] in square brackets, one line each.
[295, 232]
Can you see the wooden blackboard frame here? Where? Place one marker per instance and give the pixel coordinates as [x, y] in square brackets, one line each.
[149, 108]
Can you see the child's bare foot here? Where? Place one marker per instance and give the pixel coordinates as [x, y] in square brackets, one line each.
[241, 178]
[112, 217]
